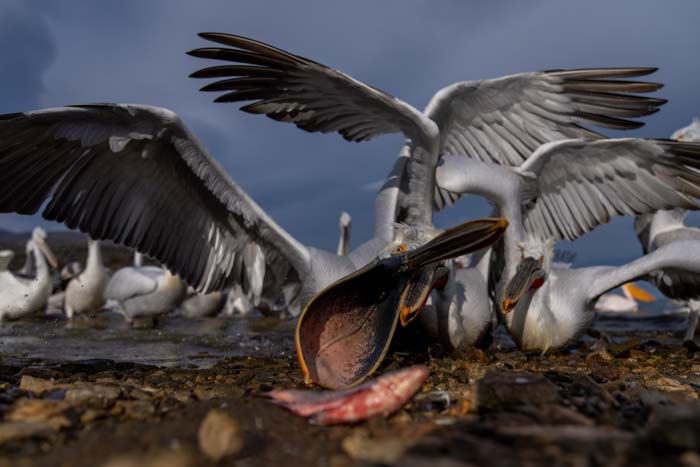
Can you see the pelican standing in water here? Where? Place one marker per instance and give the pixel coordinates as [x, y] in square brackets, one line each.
[22, 296]
[161, 192]
[85, 292]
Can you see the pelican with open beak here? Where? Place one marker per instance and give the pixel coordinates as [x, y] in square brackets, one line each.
[21, 296]
[344, 332]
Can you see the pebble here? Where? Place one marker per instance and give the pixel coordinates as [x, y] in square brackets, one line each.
[220, 435]
[504, 389]
[50, 412]
[35, 385]
[17, 431]
[383, 451]
[95, 395]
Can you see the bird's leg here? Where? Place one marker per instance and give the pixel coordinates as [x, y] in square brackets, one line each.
[600, 348]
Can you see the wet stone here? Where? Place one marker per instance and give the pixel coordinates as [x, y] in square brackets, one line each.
[94, 395]
[50, 412]
[136, 410]
[499, 390]
[219, 435]
[677, 427]
[36, 385]
[18, 431]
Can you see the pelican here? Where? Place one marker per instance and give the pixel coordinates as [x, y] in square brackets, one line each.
[85, 292]
[565, 189]
[344, 242]
[548, 308]
[501, 120]
[145, 291]
[664, 227]
[198, 305]
[627, 301]
[21, 296]
[160, 192]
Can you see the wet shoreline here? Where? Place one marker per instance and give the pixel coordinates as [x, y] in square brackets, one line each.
[496, 407]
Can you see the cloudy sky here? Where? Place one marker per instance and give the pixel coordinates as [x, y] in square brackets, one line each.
[56, 53]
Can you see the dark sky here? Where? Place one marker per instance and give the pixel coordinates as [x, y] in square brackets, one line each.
[57, 53]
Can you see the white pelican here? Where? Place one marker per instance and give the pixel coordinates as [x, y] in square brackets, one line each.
[548, 307]
[570, 187]
[666, 227]
[627, 301]
[203, 305]
[161, 192]
[144, 291]
[502, 120]
[21, 296]
[85, 293]
[344, 241]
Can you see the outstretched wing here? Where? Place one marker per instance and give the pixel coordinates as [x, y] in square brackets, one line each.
[504, 120]
[580, 185]
[682, 256]
[136, 175]
[316, 98]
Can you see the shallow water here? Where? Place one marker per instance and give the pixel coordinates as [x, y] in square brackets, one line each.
[179, 342]
[173, 342]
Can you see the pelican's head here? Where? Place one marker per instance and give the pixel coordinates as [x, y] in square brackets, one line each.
[529, 277]
[39, 240]
[688, 133]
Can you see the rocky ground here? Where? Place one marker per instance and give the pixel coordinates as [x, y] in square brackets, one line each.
[494, 407]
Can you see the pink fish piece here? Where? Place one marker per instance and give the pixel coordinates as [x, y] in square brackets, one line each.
[382, 396]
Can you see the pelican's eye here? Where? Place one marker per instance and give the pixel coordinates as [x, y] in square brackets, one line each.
[537, 283]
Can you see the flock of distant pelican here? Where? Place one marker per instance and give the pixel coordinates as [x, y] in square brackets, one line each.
[136, 175]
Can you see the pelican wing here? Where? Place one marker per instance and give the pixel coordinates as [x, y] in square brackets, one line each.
[316, 98]
[577, 185]
[137, 176]
[682, 256]
[504, 120]
[291, 88]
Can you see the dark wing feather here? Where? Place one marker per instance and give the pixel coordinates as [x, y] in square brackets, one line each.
[137, 176]
[291, 88]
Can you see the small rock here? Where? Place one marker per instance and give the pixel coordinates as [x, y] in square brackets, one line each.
[158, 459]
[17, 431]
[137, 410]
[96, 395]
[220, 435]
[90, 415]
[505, 389]
[35, 385]
[383, 451]
[675, 426]
[49, 412]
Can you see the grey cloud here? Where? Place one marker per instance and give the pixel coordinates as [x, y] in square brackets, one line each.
[133, 51]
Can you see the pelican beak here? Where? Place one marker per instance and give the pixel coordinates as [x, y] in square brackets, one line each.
[44, 248]
[417, 291]
[529, 275]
